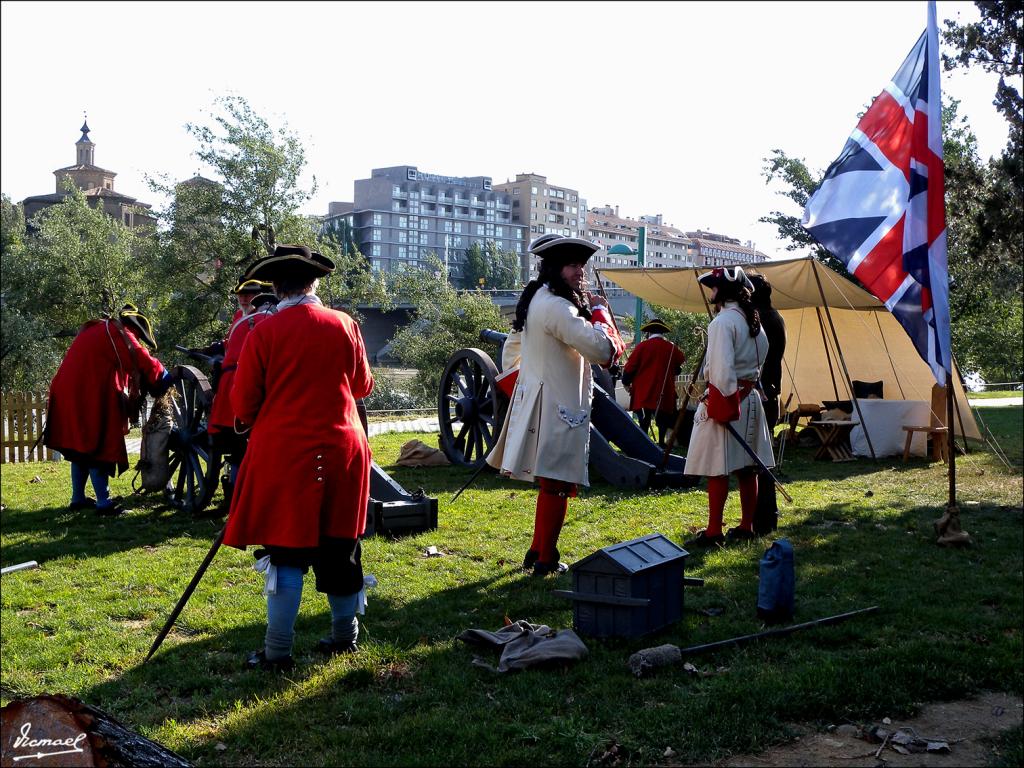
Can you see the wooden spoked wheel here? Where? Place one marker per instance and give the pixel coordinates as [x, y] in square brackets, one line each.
[470, 407]
[195, 465]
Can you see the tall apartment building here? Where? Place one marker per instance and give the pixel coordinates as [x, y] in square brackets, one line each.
[665, 245]
[720, 250]
[400, 214]
[542, 208]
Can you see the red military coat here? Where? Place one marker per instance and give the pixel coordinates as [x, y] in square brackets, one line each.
[653, 366]
[222, 415]
[86, 416]
[306, 472]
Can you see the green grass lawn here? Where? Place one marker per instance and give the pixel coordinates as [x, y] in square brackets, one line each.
[995, 393]
[949, 621]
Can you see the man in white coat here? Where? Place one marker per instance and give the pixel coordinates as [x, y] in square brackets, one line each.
[562, 329]
[737, 347]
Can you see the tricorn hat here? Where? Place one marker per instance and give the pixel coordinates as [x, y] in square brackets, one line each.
[293, 261]
[654, 326]
[138, 323]
[261, 299]
[564, 250]
[543, 239]
[726, 277]
[250, 286]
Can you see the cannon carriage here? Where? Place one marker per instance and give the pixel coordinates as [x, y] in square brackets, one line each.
[472, 407]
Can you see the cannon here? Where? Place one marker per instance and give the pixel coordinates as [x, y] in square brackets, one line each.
[472, 408]
[195, 461]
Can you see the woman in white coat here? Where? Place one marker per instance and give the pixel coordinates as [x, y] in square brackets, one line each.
[737, 346]
[546, 434]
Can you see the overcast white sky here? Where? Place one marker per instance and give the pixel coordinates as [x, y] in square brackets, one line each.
[656, 107]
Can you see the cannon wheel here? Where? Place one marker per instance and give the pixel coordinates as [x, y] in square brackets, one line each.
[194, 463]
[470, 408]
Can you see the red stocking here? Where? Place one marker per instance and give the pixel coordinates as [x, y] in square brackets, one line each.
[718, 490]
[748, 499]
[551, 510]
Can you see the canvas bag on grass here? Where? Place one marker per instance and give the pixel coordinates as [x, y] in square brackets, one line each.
[776, 591]
[154, 468]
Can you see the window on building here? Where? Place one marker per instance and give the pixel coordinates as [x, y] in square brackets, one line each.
[378, 219]
[424, 238]
[396, 190]
[515, 191]
[499, 231]
[448, 226]
[424, 223]
[375, 250]
[533, 190]
[479, 229]
[403, 237]
[414, 222]
[403, 221]
[376, 234]
[403, 252]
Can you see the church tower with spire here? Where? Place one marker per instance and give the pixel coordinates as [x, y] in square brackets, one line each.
[85, 148]
[97, 184]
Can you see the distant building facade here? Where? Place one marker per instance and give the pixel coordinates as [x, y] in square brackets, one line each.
[543, 208]
[97, 184]
[665, 246]
[720, 250]
[400, 214]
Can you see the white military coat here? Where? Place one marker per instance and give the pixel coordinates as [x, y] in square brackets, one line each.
[547, 429]
[732, 354]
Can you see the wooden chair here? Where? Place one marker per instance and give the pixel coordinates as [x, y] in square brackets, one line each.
[936, 430]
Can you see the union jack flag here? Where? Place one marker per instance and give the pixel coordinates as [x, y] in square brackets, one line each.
[881, 206]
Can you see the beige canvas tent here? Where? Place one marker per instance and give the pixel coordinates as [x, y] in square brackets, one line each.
[868, 342]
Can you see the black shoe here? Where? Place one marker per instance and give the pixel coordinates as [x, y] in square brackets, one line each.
[545, 569]
[329, 647]
[739, 534]
[532, 555]
[74, 506]
[703, 541]
[113, 509]
[258, 660]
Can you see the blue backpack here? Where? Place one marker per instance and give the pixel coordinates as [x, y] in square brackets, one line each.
[775, 594]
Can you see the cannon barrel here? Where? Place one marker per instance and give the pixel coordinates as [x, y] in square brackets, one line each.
[495, 337]
[195, 354]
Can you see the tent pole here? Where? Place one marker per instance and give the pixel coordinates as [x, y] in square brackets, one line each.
[842, 361]
[881, 335]
[828, 356]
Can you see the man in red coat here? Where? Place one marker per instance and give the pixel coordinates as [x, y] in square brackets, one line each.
[304, 484]
[103, 377]
[650, 374]
[221, 424]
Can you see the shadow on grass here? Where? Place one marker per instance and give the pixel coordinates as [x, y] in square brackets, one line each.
[148, 522]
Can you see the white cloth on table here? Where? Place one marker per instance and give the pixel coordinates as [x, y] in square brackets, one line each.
[884, 421]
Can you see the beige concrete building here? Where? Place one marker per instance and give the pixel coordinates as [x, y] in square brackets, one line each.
[665, 246]
[720, 250]
[543, 208]
[97, 184]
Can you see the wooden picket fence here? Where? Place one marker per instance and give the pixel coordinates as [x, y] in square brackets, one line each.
[24, 415]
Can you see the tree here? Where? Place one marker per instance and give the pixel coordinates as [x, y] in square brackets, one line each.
[213, 229]
[502, 267]
[446, 320]
[994, 43]
[80, 264]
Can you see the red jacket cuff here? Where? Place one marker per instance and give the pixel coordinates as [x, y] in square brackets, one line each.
[723, 408]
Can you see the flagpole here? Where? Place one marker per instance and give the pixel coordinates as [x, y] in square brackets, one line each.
[951, 435]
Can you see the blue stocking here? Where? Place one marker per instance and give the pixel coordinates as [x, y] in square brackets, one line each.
[101, 485]
[78, 476]
[344, 624]
[282, 610]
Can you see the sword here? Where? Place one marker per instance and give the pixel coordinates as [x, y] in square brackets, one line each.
[756, 458]
[188, 593]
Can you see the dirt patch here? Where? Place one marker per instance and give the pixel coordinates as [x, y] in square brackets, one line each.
[962, 725]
